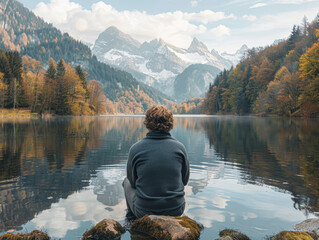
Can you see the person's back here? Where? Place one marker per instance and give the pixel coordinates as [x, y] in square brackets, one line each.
[157, 169]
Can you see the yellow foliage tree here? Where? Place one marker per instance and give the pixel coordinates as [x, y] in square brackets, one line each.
[309, 73]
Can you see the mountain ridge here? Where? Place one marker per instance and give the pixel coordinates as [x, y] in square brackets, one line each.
[21, 30]
[157, 63]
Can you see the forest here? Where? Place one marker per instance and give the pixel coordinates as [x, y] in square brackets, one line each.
[282, 79]
[61, 89]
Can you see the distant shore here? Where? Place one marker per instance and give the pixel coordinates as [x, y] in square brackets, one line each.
[13, 113]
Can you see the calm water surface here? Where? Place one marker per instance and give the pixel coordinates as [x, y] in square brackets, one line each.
[63, 175]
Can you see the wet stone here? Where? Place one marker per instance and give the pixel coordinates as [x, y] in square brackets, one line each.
[230, 234]
[34, 235]
[309, 225]
[165, 228]
[292, 235]
[107, 229]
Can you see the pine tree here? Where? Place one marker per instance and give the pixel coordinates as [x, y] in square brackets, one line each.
[83, 80]
[61, 96]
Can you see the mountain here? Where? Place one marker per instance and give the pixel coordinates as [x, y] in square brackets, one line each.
[237, 56]
[155, 63]
[22, 31]
[194, 81]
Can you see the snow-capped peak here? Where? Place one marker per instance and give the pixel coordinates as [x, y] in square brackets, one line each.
[197, 45]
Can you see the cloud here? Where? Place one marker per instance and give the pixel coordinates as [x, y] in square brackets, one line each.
[292, 1]
[176, 28]
[250, 17]
[257, 5]
[220, 31]
[57, 11]
[194, 3]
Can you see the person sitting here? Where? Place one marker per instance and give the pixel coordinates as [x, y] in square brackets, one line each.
[157, 169]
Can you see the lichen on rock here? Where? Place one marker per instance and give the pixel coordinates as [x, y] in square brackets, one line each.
[230, 234]
[166, 227]
[34, 235]
[107, 229]
[292, 235]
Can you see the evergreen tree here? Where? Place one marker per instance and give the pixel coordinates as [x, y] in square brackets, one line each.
[83, 80]
[61, 95]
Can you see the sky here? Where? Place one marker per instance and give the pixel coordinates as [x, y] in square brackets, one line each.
[223, 25]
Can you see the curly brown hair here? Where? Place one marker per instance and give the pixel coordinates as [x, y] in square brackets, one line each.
[159, 118]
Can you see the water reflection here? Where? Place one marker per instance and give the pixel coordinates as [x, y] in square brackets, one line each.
[64, 174]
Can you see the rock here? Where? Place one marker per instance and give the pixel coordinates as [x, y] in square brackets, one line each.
[107, 229]
[225, 238]
[291, 235]
[309, 225]
[166, 227]
[229, 234]
[34, 235]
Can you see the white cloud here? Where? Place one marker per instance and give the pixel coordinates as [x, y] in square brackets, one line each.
[220, 31]
[57, 11]
[257, 5]
[194, 3]
[250, 17]
[292, 1]
[173, 27]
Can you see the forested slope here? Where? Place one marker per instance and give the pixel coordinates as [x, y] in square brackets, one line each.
[281, 79]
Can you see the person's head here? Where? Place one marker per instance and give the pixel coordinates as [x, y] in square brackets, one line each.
[159, 118]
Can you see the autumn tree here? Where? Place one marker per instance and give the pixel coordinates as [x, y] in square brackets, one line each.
[309, 73]
[97, 97]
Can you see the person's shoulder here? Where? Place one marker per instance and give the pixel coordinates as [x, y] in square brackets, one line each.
[178, 143]
[137, 145]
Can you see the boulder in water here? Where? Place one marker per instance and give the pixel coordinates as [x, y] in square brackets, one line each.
[107, 229]
[309, 225]
[34, 235]
[292, 235]
[229, 234]
[166, 227]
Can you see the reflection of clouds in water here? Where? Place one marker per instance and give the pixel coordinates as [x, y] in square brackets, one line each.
[104, 198]
[55, 222]
[249, 215]
[221, 202]
[206, 210]
[107, 184]
[113, 174]
[68, 213]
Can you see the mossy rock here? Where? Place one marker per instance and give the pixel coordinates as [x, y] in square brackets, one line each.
[167, 227]
[232, 235]
[34, 235]
[292, 235]
[107, 229]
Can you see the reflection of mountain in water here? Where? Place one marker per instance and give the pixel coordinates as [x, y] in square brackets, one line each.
[43, 161]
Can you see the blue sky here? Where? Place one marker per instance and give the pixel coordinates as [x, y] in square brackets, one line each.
[222, 25]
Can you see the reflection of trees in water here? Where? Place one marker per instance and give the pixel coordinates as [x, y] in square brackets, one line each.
[276, 152]
[43, 161]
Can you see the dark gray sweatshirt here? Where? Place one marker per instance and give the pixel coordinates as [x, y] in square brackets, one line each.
[159, 169]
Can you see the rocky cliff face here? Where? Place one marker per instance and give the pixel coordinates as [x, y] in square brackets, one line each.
[155, 63]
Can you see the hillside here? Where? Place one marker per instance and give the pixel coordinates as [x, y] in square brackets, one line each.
[194, 81]
[22, 31]
[280, 79]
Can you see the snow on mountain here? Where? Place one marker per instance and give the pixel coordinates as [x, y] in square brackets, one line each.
[155, 63]
[237, 56]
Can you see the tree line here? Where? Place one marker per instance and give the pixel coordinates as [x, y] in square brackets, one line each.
[280, 79]
[61, 89]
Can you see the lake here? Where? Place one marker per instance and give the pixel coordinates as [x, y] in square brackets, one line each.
[63, 175]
